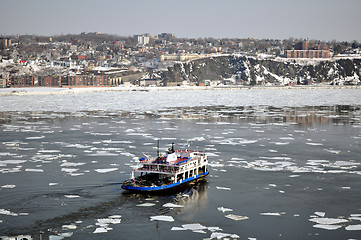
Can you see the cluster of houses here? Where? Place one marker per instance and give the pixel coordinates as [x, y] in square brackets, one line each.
[116, 60]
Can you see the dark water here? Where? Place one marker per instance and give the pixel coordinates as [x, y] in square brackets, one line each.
[280, 167]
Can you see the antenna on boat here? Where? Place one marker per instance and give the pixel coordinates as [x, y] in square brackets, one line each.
[172, 148]
[158, 148]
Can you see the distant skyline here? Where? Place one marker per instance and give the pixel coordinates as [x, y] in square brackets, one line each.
[273, 19]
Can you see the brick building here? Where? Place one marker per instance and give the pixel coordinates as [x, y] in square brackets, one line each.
[307, 49]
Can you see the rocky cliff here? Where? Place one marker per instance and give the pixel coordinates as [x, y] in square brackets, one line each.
[255, 71]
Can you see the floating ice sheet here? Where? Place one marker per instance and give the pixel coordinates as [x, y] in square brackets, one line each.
[356, 227]
[272, 213]
[33, 170]
[72, 196]
[320, 214]
[236, 217]
[172, 205]
[194, 226]
[12, 161]
[105, 170]
[223, 188]
[328, 221]
[100, 230]
[178, 229]
[146, 205]
[162, 218]
[8, 186]
[222, 209]
[327, 227]
[70, 226]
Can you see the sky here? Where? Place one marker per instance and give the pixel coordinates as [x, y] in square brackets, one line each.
[325, 20]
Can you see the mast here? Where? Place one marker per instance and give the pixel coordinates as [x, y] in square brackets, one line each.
[158, 148]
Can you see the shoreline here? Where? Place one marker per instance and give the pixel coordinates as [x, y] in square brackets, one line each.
[72, 90]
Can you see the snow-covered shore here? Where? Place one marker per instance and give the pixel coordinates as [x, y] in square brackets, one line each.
[70, 90]
[144, 100]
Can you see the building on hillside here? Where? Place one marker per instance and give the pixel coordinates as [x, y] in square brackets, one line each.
[5, 43]
[2, 82]
[143, 39]
[307, 49]
[307, 54]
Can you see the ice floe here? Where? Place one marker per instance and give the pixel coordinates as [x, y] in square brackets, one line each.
[327, 227]
[103, 223]
[70, 226]
[8, 186]
[356, 227]
[320, 214]
[272, 213]
[328, 221]
[145, 205]
[105, 170]
[12, 161]
[223, 209]
[172, 205]
[72, 196]
[236, 217]
[178, 229]
[162, 218]
[33, 170]
[71, 164]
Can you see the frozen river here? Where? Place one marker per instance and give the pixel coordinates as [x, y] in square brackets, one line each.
[285, 164]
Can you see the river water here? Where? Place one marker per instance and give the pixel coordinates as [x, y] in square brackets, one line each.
[289, 171]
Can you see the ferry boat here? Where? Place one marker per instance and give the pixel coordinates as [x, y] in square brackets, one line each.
[172, 170]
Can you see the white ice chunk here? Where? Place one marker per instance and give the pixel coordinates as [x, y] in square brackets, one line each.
[107, 221]
[328, 220]
[219, 235]
[314, 144]
[100, 230]
[105, 170]
[33, 170]
[223, 188]
[33, 138]
[216, 165]
[146, 205]
[236, 217]
[194, 226]
[213, 229]
[320, 214]
[172, 205]
[71, 164]
[327, 227]
[8, 186]
[272, 213]
[7, 212]
[12, 161]
[162, 218]
[70, 226]
[72, 196]
[178, 229]
[222, 209]
[353, 227]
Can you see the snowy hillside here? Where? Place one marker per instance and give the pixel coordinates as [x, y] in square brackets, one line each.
[256, 71]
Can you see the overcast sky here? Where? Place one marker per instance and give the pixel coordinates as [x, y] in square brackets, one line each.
[274, 19]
